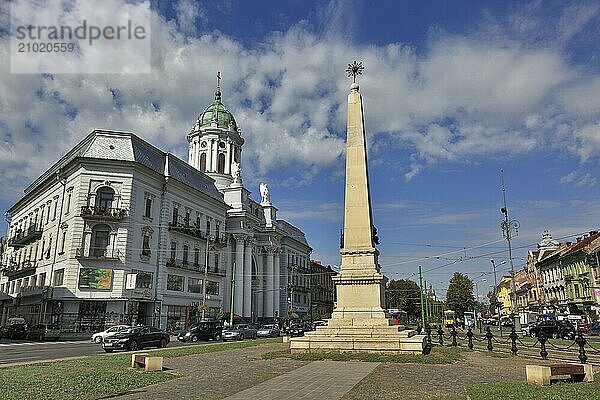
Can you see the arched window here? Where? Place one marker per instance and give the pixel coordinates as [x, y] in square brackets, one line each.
[104, 198]
[100, 241]
[203, 162]
[221, 169]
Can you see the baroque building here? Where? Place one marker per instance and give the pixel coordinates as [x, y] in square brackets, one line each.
[118, 231]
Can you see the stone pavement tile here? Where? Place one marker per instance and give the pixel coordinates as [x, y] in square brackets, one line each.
[338, 377]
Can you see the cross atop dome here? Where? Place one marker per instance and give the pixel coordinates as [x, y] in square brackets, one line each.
[218, 90]
[354, 70]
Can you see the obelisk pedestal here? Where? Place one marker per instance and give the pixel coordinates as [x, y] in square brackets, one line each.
[358, 322]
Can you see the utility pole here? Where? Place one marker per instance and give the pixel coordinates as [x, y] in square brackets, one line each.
[507, 227]
[426, 302]
[421, 291]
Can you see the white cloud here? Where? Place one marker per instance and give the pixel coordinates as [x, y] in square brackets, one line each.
[461, 98]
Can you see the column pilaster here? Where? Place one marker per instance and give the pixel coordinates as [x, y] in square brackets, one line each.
[248, 277]
[238, 303]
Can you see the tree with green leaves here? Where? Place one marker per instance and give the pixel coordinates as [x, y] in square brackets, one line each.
[459, 296]
[404, 295]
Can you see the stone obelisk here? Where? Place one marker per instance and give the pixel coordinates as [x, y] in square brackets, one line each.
[358, 322]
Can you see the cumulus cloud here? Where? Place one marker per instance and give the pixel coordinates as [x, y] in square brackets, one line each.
[462, 97]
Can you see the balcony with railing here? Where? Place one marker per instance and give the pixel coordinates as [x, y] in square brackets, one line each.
[187, 229]
[217, 271]
[103, 213]
[15, 270]
[93, 253]
[186, 265]
[24, 237]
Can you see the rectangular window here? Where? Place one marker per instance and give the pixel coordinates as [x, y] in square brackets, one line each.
[68, 205]
[49, 247]
[42, 252]
[32, 280]
[173, 250]
[212, 288]
[146, 245]
[175, 282]
[55, 208]
[42, 280]
[41, 216]
[143, 279]
[48, 214]
[12, 287]
[216, 262]
[207, 226]
[59, 275]
[186, 221]
[186, 250]
[194, 285]
[175, 216]
[63, 241]
[196, 257]
[198, 224]
[148, 211]
[2, 288]
[217, 231]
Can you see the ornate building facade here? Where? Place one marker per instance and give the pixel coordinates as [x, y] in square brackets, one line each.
[118, 231]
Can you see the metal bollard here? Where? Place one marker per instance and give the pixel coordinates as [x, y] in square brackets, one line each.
[513, 337]
[453, 333]
[580, 340]
[470, 338]
[428, 332]
[489, 336]
[440, 333]
[543, 353]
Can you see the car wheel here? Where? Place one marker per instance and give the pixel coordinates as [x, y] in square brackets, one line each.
[162, 343]
[194, 338]
[98, 339]
[217, 337]
[108, 350]
[133, 346]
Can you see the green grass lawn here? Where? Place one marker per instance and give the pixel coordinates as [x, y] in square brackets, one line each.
[93, 377]
[438, 355]
[526, 391]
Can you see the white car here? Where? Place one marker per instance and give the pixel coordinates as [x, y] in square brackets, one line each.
[100, 336]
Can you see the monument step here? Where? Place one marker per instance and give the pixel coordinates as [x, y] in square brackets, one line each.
[320, 343]
[364, 331]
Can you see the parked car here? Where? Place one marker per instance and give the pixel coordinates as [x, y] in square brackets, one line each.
[240, 332]
[318, 323]
[98, 337]
[553, 328]
[135, 338]
[296, 330]
[205, 330]
[271, 330]
[593, 329]
[43, 332]
[16, 328]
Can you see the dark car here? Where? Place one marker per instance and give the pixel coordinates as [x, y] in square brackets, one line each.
[204, 330]
[296, 330]
[16, 328]
[593, 329]
[239, 332]
[43, 332]
[553, 329]
[136, 338]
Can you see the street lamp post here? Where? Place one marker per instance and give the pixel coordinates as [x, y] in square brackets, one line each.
[209, 239]
[508, 227]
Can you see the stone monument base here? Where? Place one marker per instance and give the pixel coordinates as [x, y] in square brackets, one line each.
[359, 336]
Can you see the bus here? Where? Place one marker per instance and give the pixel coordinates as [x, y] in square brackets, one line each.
[449, 318]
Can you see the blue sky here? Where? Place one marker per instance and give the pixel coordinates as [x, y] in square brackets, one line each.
[453, 93]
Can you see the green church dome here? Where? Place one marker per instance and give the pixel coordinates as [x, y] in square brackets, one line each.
[217, 111]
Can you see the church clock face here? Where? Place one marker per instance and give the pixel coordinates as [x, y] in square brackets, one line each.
[222, 145]
[203, 144]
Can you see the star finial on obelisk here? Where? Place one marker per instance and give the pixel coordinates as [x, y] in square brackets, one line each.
[354, 69]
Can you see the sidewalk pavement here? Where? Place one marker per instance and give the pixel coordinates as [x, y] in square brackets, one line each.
[243, 374]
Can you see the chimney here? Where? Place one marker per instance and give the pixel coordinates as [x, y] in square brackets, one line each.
[578, 239]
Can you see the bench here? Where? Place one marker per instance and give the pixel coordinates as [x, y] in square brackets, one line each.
[541, 374]
[150, 364]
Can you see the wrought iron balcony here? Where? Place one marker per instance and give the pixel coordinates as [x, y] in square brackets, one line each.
[217, 271]
[172, 263]
[103, 213]
[93, 253]
[187, 229]
[14, 270]
[24, 237]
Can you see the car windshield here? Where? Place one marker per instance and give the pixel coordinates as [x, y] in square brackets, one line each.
[131, 330]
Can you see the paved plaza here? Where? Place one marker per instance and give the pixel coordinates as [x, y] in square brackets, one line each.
[244, 374]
